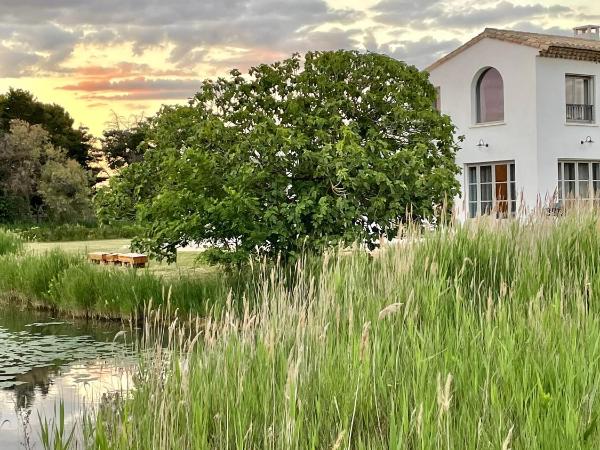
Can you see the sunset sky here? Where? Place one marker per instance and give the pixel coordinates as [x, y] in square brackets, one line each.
[127, 57]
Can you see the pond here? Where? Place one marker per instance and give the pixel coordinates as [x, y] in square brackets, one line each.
[46, 360]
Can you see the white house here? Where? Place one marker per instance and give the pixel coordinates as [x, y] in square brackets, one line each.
[527, 106]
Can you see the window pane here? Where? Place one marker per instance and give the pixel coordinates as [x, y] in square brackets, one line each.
[490, 97]
[512, 172]
[584, 189]
[485, 173]
[486, 193]
[596, 189]
[501, 191]
[501, 173]
[437, 104]
[472, 209]
[569, 189]
[513, 191]
[596, 171]
[570, 90]
[472, 175]
[560, 192]
[584, 171]
[560, 172]
[502, 209]
[473, 193]
[569, 171]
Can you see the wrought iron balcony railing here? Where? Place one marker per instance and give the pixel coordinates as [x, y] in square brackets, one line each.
[580, 113]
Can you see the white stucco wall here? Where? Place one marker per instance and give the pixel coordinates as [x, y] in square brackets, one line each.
[515, 138]
[558, 139]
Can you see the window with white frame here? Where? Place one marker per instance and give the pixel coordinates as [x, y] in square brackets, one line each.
[579, 97]
[578, 180]
[491, 189]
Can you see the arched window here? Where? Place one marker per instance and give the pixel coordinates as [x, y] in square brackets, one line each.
[489, 96]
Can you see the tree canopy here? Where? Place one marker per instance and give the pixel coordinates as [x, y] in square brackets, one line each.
[304, 153]
[18, 104]
[124, 144]
[39, 180]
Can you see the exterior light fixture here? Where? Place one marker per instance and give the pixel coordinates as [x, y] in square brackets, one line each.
[587, 140]
[482, 143]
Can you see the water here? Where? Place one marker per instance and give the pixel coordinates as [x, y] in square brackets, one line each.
[45, 360]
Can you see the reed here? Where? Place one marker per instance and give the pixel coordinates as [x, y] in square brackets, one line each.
[478, 336]
[10, 243]
[66, 283]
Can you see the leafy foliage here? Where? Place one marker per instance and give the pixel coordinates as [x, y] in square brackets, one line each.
[39, 180]
[22, 105]
[305, 153]
[64, 188]
[124, 145]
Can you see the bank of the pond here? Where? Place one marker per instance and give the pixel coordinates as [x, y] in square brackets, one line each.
[65, 282]
[479, 337]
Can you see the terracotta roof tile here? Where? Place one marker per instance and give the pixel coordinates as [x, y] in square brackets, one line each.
[551, 46]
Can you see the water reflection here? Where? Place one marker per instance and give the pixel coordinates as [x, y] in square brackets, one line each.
[44, 360]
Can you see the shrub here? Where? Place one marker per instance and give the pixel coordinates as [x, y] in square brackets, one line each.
[76, 232]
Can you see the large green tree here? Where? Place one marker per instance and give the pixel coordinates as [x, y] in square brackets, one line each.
[18, 104]
[304, 153]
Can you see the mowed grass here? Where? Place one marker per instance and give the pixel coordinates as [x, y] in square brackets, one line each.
[478, 337]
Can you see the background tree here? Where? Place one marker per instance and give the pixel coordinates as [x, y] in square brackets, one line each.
[37, 179]
[22, 105]
[64, 188]
[286, 158]
[21, 151]
[124, 144]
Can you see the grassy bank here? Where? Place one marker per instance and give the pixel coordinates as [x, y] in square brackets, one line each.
[60, 279]
[479, 337]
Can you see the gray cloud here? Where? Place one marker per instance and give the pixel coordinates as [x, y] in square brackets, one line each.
[190, 26]
[405, 12]
[15, 63]
[502, 13]
[38, 36]
[446, 14]
[419, 53]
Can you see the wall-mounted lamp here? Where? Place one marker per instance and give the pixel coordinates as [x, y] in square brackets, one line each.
[482, 143]
[587, 140]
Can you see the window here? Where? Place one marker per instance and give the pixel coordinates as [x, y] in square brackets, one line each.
[491, 188]
[580, 98]
[578, 180]
[489, 97]
[437, 103]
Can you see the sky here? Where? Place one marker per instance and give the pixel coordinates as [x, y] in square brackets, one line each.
[121, 59]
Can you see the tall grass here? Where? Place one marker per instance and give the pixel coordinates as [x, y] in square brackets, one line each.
[66, 282]
[10, 243]
[483, 336]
